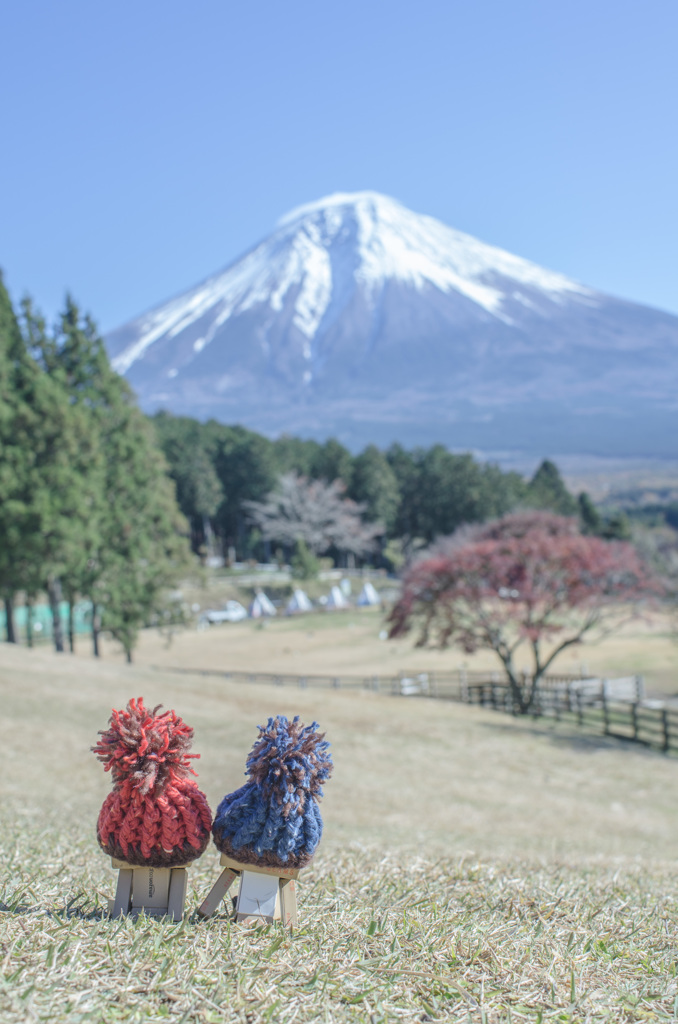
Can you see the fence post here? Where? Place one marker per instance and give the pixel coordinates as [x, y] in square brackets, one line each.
[606, 717]
[580, 713]
[640, 688]
[463, 686]
[634, 720]
[665, 729]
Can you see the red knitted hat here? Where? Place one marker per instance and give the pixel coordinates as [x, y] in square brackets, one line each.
[156, 815]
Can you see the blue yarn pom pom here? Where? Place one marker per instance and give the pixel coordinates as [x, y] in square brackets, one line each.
[274, 818]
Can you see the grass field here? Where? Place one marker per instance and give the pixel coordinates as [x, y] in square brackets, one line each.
[348, 643]
[474, 867]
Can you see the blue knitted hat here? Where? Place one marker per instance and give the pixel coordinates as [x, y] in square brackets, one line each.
[274, 820]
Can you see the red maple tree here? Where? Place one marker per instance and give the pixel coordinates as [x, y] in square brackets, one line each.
[530, 578]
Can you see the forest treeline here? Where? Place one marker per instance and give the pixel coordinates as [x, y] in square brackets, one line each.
[416, 494]
[87, 510]
[101, 503]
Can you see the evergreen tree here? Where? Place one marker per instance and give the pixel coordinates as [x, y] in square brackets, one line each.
[294, 455]
[406, 471]
[616, 527]
[331, 462]
[374, 484]
[546, 490]
[45, 450]
[591, 519]
[199, 490]
[245, 466]
[500, 492]
[451, 492]
[11, 353]
[130, 547]
[143, 551]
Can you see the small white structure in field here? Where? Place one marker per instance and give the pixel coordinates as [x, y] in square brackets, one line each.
[368, 596]
[232, 612]
[336, 599]
[261, 606]
[299, 602]
[345, 587]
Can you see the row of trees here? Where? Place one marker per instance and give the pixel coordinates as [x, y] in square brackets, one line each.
[414, 496]
[86, 507]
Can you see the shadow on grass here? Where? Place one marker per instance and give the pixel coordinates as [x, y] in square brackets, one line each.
[80, 906]
[562, 734]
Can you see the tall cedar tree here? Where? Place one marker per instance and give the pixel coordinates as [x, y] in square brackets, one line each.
[134, 548]
[374, 484]
[12, 461]
[547, 490]
[47, 453]
[199, 490]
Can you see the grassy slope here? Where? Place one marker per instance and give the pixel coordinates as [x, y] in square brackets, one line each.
[472, 866]
[348, 642]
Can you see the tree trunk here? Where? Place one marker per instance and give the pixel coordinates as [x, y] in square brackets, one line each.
[96, 629]
[207, 533]
[54, 595]
[71, 625]
[128, 655]
[9, 619]
[29, 621]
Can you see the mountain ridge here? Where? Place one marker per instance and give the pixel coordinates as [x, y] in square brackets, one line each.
[357, 317]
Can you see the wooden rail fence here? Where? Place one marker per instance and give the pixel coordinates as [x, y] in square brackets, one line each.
[613, 707]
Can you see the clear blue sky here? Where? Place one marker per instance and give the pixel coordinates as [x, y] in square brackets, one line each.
[146, 144]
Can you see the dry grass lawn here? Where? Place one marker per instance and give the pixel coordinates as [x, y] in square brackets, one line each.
[348, 643]
[428, 775]
[474, 867]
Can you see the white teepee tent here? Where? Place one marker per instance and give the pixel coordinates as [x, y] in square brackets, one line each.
[299, 602]
[368, 595]
[261, 606]
[336, 599]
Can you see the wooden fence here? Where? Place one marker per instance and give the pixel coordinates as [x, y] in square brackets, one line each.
[597, 707]
[611, 707]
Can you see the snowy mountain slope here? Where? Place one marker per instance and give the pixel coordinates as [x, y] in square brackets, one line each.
[358, 317]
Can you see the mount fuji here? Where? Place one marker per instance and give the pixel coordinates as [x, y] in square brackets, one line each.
[361, 319]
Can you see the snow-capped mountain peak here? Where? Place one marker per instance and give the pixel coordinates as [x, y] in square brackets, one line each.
[321, 253]
[356, 314]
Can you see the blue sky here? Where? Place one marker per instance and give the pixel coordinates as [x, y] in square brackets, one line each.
[147, 144]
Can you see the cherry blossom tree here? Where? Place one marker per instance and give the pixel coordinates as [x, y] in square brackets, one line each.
[315, 512]
[528, 579]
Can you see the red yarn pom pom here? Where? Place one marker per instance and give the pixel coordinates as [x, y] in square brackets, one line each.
[156, 814]
[148, 748]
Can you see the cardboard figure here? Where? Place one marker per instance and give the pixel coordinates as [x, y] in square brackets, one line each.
[270, 828]
[156, 820]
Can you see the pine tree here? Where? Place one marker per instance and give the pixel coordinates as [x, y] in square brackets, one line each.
[199, 490]
[133, 545]
[374, 483]
[589, 515]
[10, 472]
[44, 449]
[68, 470]
[546, 490]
